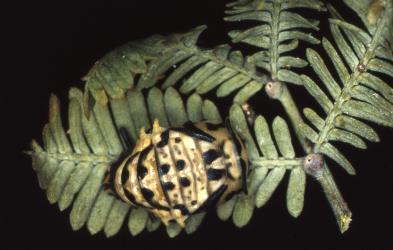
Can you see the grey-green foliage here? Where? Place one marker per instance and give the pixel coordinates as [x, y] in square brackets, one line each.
[267, 169]
[150, 78]
[166, 61]
[360, 59]
[72, 163]
[278, 33]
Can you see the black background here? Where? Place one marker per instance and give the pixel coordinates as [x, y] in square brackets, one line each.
[50, 46]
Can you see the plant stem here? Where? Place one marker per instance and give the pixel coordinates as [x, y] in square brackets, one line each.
[336, 201]
[93, 158]
[294, 115]
[280, 162]
[333, 195]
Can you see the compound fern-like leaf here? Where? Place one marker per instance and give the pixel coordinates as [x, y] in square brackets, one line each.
[279, 32]
[267, 169]
[166, 61]
[360, 59]
[72, 163]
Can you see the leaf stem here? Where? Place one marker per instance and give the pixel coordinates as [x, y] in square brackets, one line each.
[279, 91]
[93, 158]
[336, 201]
[281, 162]
[294, 115]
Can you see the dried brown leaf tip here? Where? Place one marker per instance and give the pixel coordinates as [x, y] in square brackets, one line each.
[374, 11]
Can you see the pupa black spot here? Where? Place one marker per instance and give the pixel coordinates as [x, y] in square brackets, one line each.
[163, 169]
[131, 197]
[180, 165]
[147, 193]
[164, 139]
[168, 186]
[184, 181]
[125, 174]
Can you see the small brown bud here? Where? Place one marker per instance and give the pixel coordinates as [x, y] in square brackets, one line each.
[249, 112]
[361, 67]
[273, 89]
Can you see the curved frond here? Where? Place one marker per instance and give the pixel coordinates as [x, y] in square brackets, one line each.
[72, 163]
[279, 32]
[166, 61]
[360, 59]
[267, 169]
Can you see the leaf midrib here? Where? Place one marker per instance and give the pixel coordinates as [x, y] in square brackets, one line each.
[77, 158]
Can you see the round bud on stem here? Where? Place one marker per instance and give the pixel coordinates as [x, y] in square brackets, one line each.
[273, 89]
[314, 165]
[361, 67]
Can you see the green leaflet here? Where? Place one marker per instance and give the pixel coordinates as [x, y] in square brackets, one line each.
[91, 131]
[240, 126]
[194, 108]
[243, 210]
[295, 191]
[155, 103]
[225, 210]
[331, 151]
[56, 126]
[153, 224]
[84, 201]
[59, 180]
[210, 112]
[269, 185]
[116, 218]
[173, 230]
[74, 184]
[264, 138]
[99, 212]
[137, 221]
[283, 138]
[355, 126]
[137, 108]
[314, 118]
[289, 76]
[348, 137]
[255, 179]
[318, 94]
[194, 222]
[175, 108]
